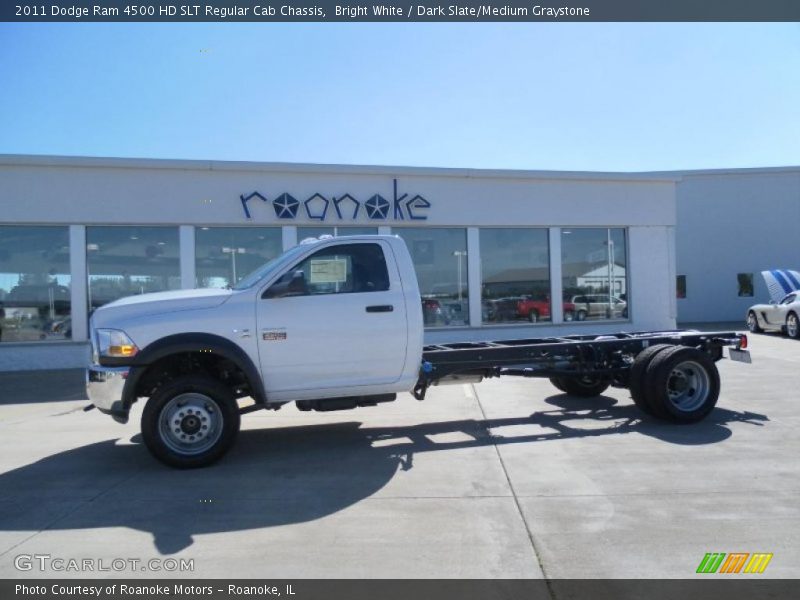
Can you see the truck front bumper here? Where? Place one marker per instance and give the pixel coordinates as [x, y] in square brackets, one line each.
[104, 388]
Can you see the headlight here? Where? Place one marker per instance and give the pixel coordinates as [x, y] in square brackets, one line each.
[114, 343]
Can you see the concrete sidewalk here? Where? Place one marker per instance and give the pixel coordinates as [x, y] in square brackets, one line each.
[504, 479]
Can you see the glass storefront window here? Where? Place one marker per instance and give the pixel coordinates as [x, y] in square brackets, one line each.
[515, 270]
[124, 261]
[440, 259]
[34, 284]
[315, 232]
[224, 255]
[594, 273]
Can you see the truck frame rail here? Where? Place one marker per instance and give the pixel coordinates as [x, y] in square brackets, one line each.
[608, 357]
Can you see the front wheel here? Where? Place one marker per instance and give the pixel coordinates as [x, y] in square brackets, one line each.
[580, 315]
[190, 422]
[792, 326]
[533, 316]
[569, 316]
[752, 323]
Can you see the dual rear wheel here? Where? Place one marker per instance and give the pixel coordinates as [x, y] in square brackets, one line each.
[674, 383]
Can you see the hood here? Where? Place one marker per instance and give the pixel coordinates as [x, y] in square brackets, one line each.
[780, 282]
[160, 302]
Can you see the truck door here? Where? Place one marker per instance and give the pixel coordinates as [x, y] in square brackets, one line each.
[336, 319]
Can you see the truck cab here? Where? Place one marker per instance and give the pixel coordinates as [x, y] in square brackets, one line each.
[333, 323]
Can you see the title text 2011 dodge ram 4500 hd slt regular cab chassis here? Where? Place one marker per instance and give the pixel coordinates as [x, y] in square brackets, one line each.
[335, 324]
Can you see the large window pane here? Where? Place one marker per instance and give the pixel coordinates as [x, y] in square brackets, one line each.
[515, 267]
[224, 255]
[594, 271]
[440, 259]
[124, 261]
[34, 284]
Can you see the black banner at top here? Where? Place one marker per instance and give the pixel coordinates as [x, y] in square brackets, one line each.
[264, 11]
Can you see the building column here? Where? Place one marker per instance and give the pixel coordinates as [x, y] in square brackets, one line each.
[186, 252]
[79, 282]
[289, 233]
[474, 275]
[556, 287]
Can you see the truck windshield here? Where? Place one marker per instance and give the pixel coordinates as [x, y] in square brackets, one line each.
[268, 268]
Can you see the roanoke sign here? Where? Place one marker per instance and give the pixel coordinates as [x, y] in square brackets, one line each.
[344, 207]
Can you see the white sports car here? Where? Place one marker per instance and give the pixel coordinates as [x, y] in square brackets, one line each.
[783, 311]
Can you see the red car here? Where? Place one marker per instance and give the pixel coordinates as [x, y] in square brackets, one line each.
[534, 310]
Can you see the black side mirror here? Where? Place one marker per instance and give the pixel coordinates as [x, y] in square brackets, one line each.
[294, 285]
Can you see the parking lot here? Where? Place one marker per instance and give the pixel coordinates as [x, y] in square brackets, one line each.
[505, 479]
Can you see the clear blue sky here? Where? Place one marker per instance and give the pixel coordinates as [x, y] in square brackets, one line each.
[534, 96]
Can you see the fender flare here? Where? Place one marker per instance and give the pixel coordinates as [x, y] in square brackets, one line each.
[192, 342]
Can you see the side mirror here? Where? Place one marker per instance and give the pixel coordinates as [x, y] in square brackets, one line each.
[294, 285]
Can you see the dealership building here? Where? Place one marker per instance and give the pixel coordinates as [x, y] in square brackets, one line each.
[492, 249]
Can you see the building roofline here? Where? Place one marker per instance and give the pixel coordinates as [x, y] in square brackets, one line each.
[275, 167]
[43, 160]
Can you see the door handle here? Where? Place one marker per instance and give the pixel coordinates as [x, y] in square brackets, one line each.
[380, 308]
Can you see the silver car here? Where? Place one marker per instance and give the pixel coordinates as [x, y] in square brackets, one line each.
[776, 316]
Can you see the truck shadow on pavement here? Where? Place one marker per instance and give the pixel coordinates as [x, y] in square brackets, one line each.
[286, 475]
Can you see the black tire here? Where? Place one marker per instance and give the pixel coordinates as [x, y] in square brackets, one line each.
[580, 315]
[752, 323]
[584, 387]
[203, 409]
[636, 377]
[793, 326]
[558, 383]
[682, 385]
[533, 316]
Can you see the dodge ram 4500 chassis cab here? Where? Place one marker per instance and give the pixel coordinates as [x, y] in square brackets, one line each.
[335, 324]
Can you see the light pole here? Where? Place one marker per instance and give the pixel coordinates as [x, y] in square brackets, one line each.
[459, 254]
[233, 252]
[610, 245]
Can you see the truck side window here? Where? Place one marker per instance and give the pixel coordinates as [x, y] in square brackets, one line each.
[345, 269]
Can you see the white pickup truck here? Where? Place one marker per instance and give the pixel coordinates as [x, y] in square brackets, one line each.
[335, 324]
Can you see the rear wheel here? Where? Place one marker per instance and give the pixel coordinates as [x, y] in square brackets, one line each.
[682, 384]
[585, 387]
[190, 422]
[636, 379]
[533, 316]
[752, 323]
[792, 326]
[558, 383]
[580, 315]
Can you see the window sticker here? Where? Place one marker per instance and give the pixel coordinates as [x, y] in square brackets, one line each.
[328, 270]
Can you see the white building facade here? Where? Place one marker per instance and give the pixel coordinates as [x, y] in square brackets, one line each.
[492, 249]
[733, 224]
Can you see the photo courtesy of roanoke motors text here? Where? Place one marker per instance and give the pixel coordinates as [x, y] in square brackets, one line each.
[318, 301]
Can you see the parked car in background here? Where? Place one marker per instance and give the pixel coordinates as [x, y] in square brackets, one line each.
[599, 306]
[776, 316]
[500, 310]
[534, 310]
[433, 313]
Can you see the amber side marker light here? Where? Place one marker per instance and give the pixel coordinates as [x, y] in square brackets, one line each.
[126, 350]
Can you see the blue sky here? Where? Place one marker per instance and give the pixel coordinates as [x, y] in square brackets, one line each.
[620, 97]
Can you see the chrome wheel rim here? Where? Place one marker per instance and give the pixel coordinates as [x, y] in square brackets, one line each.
[569, 316]
[791, 326]
[533, 317]
[688, 386]
[190, 424]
